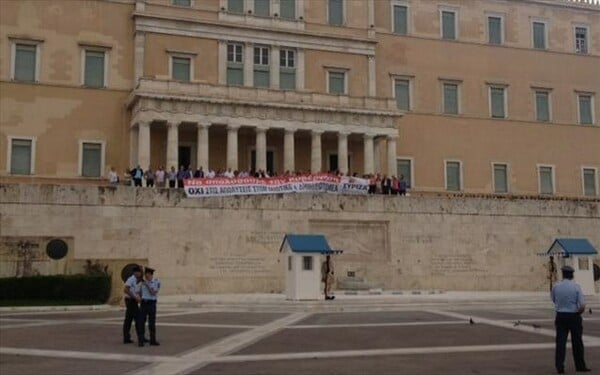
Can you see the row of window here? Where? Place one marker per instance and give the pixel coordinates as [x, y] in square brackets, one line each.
[453, 177]
[22, 157]
[449, 21]
[449, 27]
[91, 164]
[94, 67]
[25, 63]
[498, 100]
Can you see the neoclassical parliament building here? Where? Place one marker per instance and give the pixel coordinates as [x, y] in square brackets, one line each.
[474, 96]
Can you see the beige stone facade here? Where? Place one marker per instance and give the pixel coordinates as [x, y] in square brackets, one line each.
[146, 81]
[231, 244]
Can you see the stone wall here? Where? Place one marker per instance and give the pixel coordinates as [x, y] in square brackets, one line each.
[230, 245]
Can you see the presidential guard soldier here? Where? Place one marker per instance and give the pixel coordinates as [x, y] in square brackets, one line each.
[327, 277]
[150, 288]
[569, 305]
[132, 298]
[551, 272]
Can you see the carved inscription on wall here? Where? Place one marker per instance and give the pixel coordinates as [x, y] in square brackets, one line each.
[239, 266]
[455, 263]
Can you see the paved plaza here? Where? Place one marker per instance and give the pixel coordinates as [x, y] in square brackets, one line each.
[253, 335]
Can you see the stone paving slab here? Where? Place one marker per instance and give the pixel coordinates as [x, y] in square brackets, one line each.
[66, 315]
[512, 314]
[241, 318]
[530, 362]
[109, 338]
[24, 365]
[357, 338]
[373, 318]
[590, 328]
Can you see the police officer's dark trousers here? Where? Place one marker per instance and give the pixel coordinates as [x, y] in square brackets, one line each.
[148, 311]
[132, 313]
[565, 323]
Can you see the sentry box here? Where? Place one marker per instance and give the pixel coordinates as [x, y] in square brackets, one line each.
[302, 256]
[577, 253]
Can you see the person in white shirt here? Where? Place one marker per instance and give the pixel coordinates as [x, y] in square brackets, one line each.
[229, 173]
[160, 177]
[113, 177]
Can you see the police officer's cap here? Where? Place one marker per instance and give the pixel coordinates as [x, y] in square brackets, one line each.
[136, 268]
[149, 270]
[567, 269]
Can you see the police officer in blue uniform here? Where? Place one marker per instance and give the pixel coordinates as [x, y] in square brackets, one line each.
[569, 305]
[132, 297]
[150, 288]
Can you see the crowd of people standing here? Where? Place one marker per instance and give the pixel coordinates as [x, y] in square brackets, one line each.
[173, 178]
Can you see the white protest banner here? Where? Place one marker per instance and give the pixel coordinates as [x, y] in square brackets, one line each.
[323, 183]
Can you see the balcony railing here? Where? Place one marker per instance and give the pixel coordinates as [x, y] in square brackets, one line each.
[198, 90]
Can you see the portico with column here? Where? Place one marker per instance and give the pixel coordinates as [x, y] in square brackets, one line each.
[288, 137]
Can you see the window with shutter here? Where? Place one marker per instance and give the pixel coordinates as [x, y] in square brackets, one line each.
[495, 30]
[450, 98]
[235, 64]
[262, 8]
[181, 68]
[500, 178]
[94, 68]
[581, 40]
[402, 94]
[337, 83]
[448, 25]
[183, 3]
[287, 9]
[585, 109]
[20, 157]
[336, 12]
[542, 106]
[262, 73]
[546, 183]
[235, 6]
[539, 35]
[453, 176]
[287, 69]
[91, 159]
[589, 182]
[400, 19]
[25, 62]
[497, 102]
[403, 168]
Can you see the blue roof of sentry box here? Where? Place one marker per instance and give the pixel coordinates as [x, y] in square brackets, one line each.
[572, 246]
[307, 243]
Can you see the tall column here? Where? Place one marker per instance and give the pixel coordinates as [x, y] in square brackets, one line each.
[343, 152]
[274, 67]
[315, 152]
[143, 144]
[133, 146]
[261, 149]
[249, 64]
[288, 151]
[300, 70]
[202, 149]
[139, 45]
[222, 62]
[172, 145]
[232, 147]
[377, 158]
[391, 155]
[368, 154]
[372, 76]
